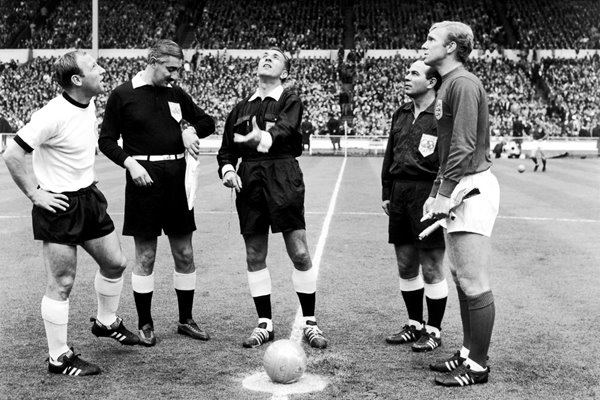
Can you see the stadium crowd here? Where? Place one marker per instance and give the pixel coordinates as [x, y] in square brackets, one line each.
[389, 24]
[554, 24]
[296, 24]
[559, 95]
[218, 82]
[258, 24]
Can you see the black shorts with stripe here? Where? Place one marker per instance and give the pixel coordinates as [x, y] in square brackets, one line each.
[406, 210]
[162, 206]
[85, 219]
[272, 195]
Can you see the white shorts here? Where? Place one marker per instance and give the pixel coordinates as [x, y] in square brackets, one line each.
[476, 214]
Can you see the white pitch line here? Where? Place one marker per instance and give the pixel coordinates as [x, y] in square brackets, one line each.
[260, 381]
[296, 334]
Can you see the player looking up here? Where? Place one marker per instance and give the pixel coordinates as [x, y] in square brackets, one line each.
[264, 131]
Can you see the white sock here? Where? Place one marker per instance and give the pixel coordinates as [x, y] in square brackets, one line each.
[305, 281]
[436, 291]
[417, 324]
[259, 282]
[433, 329]
[108, 292]
[474, 366]
[142, 284]
[55, 314]
[412, 284]
[184, 281]
[464, 352]
[267, 321]
[304, 319]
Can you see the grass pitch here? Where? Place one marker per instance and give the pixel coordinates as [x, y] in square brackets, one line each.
[544, 273]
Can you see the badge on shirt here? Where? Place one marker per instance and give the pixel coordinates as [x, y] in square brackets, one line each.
[175, 111]
[438, 110]
[427, 144]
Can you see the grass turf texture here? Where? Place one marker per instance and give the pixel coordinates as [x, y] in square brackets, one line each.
[544, 277]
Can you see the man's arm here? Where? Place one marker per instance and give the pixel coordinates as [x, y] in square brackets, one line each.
[465, 105]
[15, 159]
[108, 143]
[201, 125]
[110, 131]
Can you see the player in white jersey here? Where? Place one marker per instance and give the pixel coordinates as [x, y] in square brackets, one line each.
[68, 209]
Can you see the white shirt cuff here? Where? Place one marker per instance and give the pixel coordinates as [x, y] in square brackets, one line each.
[266, 141]
[226, 168]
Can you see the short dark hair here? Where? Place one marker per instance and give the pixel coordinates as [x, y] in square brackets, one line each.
[65, 67]
[164, 48]
[433, 73]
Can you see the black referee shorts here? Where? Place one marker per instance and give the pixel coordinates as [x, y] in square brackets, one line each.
[272, 195]
[406, 210]
[85, 219]
[162, 206]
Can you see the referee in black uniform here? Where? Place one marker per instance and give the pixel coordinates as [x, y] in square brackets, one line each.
[409, 168]
[147, 113]
[264, 131]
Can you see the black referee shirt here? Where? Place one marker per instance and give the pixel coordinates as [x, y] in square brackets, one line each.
[281, 118]
[411, 152]
[143, 117]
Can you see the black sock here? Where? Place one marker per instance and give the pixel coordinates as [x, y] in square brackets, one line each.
[307, 303]
[143, 305]
[414, 304]
[483, 312]
[185, 300]
[263, 306]
[435, 311]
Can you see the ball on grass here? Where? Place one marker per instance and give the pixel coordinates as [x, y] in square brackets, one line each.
[284, 361]
[521, 168]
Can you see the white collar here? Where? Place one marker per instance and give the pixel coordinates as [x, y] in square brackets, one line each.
[137, 81]
[275, 94]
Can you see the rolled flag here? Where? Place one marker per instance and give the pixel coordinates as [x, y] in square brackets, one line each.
[191, 179]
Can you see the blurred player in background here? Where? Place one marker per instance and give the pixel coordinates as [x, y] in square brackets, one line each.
[147, 112]
[539, 135]
[410, 165]
[68, 209]
[264, 131]
[462, 115]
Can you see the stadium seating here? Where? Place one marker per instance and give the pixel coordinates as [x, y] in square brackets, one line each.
[561, 95]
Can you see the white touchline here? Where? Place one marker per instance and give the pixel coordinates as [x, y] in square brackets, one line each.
[296, 334]
[308, 382]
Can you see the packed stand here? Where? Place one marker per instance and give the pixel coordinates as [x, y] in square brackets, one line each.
[126, 24]
[574, 94]
[14, 15]
[259, 24]
[378, 92]
[390, 24]
[555, 24]
[215, 83]
[67, 26]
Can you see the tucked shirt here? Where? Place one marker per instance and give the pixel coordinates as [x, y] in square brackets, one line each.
[411, 152]
[62, 137]
[462, 115]
[280, 116]
[148, 118]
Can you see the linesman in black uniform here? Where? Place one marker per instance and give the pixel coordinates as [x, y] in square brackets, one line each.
[147, 113]
[409, 168]
[264, 131]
